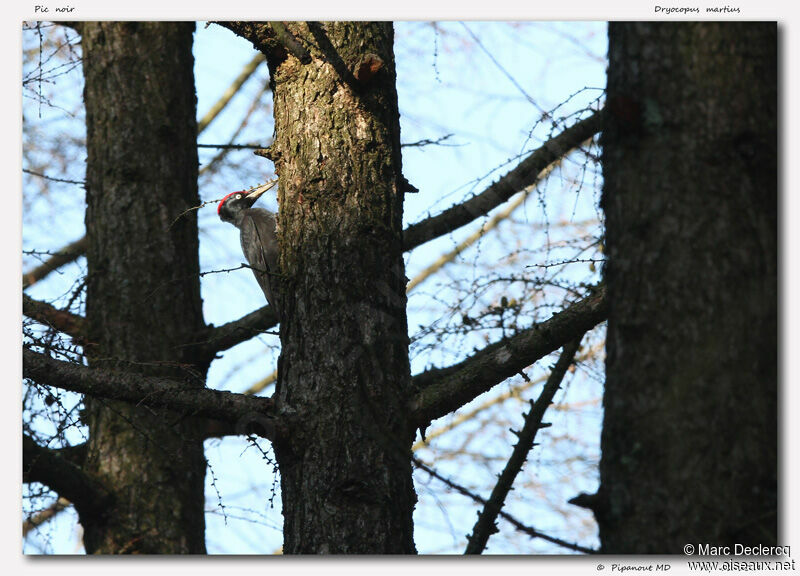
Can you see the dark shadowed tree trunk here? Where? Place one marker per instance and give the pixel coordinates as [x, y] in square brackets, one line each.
[689, 446]
[344, 375]
[143, 293]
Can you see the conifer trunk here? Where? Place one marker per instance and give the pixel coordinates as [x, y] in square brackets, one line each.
[143, 293]
[689, 444]
[344, 374]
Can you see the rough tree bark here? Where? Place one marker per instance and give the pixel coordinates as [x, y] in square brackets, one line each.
[143, 292]
[689, 445]
[346, 468]
[344, 379]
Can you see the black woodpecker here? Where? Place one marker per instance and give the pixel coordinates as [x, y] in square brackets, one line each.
[257, 234]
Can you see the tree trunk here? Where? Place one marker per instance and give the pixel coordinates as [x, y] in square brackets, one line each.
[689, 444]
[143, 293]
[344, 376]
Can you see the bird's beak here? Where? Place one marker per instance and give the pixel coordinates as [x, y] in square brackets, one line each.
[256, 192]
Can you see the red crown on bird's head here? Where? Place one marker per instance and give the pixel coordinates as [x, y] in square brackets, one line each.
[261, 188]
[221, 202]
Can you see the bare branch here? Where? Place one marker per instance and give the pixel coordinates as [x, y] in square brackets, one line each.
[532, 532]
[485, 525]
[151, 391]
[226, 97]
[218, 157]
[220, 429]
[427, 142]
[233, 146]
[467, 242]
[496, 399]
[61, 320]
[522, 176]
[290, 42]
[443, 390]
[45, 466]
[44, 515]
[75, 453]
[257, 387]
[220, 338]
[67, 254]
[53, 178]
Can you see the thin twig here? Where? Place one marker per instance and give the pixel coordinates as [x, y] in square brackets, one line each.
[428, 142]
[485, 525]
[232, 146]
[67, 254]
[52, 178]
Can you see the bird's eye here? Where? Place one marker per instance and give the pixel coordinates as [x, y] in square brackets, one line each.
[238, 196]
